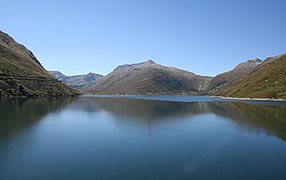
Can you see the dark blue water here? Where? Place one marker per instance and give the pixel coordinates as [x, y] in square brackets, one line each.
[123, 138]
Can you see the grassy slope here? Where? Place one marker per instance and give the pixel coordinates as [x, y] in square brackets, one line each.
[267, 81]
[17, 61]
[237, 73]
[33, 88]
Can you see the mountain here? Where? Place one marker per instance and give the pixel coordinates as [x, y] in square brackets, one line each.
[266, 80]
[58, 75]
[238, 72]
[149, 78]
[79, 82]
[21, 74]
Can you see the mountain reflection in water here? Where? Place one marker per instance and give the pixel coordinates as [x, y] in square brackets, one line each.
[255, 117]
[125, 138]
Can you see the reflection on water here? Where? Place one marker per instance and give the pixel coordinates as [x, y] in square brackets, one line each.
[270, 119]
[121, 138]
[138, 108]
[19, 113]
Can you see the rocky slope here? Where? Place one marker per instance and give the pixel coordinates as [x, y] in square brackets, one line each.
[21, 74]
[238, 72]
[149, 78]
[267, 80]
[80, 82]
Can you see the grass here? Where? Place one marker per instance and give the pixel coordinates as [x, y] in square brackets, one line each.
[267, 82]
[18, 61]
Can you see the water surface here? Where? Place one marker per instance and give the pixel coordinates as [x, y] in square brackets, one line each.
[123, 138]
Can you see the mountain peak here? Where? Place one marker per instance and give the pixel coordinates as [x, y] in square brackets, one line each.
[150, 62]
[130, 66]
[79, 82]
[256, 60]
[249, 64]
[57, 74]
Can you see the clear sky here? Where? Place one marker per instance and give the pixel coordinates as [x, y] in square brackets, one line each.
[206, 37]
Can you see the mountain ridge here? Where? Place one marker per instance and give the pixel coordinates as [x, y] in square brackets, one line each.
[147, 78]
[266, 80]
[237, 72]
[79, 82]
[150, 78]
[21, 73]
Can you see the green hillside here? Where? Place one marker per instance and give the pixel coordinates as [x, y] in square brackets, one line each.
[268, 80]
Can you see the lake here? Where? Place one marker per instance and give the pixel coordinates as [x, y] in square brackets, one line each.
[142, 138]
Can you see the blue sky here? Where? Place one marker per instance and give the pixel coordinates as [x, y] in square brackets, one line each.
[206, 37]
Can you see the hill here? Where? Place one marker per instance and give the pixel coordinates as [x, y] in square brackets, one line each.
[21, 74]
[149, 78]
[267, 80]
[238, 72]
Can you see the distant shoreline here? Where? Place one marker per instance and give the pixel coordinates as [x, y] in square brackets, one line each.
[148, 95]
[222, 97]
[251, 99]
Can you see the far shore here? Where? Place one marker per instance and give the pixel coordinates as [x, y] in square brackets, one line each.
[222, 97]
[251, 99]
[154, 95]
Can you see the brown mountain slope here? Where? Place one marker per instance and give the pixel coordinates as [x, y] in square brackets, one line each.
[149, 78]
[267, 80]
[238, 72]
[21, 74]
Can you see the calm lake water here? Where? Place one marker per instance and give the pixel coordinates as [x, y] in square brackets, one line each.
[154, 138]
